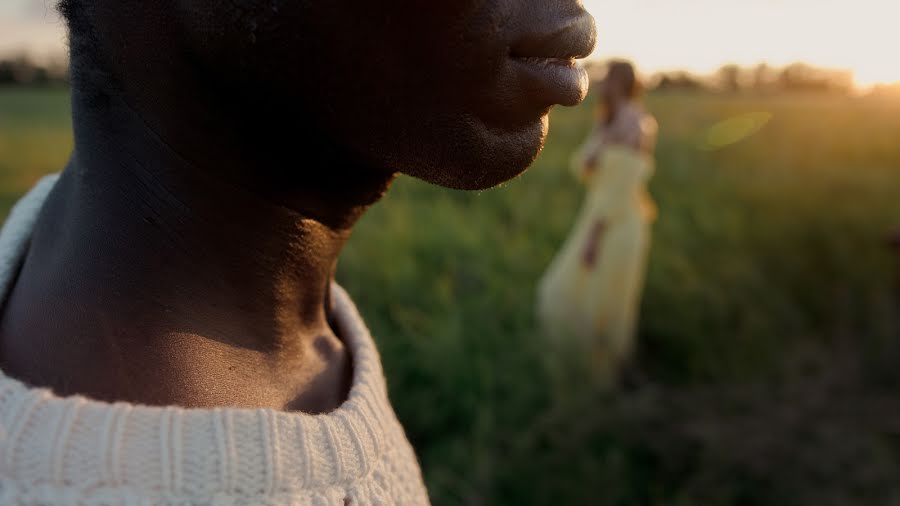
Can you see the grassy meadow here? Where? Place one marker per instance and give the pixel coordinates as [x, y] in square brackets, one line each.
[770, 336]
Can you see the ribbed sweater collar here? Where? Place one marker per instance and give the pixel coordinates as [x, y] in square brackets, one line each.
[57, 440]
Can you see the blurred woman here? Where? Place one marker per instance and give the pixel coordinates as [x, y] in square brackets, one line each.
[592, 290]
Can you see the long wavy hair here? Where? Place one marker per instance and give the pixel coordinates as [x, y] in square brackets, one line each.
[625, 72]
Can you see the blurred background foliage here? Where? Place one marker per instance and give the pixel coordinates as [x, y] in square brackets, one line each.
[767, 372]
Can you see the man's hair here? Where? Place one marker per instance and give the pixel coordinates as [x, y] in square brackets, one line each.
[87, 70]
[73, 12]
[67, 8]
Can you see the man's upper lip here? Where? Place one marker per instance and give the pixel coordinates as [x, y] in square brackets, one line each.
[572, 40]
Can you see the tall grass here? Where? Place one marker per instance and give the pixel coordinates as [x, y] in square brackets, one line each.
[769, 331]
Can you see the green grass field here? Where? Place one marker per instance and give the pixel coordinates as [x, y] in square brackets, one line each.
[770, 336]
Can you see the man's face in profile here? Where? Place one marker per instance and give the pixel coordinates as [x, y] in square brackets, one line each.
[454, 92]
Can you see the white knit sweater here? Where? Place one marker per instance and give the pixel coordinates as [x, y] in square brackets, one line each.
[75, 451]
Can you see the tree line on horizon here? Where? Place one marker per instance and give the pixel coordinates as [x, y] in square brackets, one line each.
[23, 71]
[762, 78]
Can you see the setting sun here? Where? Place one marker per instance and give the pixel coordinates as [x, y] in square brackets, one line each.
[701, 35]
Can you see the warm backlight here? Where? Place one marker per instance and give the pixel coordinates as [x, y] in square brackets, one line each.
[700, 35]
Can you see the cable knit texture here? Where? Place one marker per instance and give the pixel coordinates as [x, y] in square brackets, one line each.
[76, 451]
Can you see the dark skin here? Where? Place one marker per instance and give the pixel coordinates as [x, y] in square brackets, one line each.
[222, 157]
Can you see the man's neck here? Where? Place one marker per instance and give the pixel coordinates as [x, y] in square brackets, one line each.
[151, 279]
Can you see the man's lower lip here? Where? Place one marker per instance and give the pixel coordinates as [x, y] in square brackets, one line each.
[553, 80]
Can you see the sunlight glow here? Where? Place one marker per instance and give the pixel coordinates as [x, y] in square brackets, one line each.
[701, 35]
[696, 35]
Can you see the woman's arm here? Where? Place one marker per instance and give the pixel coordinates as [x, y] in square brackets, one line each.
[587, 159]
[649, 134]
[591, 251]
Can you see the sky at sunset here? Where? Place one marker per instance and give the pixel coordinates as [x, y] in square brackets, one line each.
[698, 35]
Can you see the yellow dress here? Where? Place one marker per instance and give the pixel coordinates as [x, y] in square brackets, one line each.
[592, 290]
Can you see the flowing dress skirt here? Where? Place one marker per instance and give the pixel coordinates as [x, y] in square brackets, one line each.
[592, 291]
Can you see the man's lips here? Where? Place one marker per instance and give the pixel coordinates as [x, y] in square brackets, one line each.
[552, 81]
[545, 61]
[574, 39]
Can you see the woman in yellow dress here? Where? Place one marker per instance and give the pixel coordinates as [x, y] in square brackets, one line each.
[592, 290]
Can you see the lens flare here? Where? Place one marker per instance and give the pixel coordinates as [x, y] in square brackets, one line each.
[734, 130]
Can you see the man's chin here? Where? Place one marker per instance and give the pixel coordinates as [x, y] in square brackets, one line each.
[489, 160]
